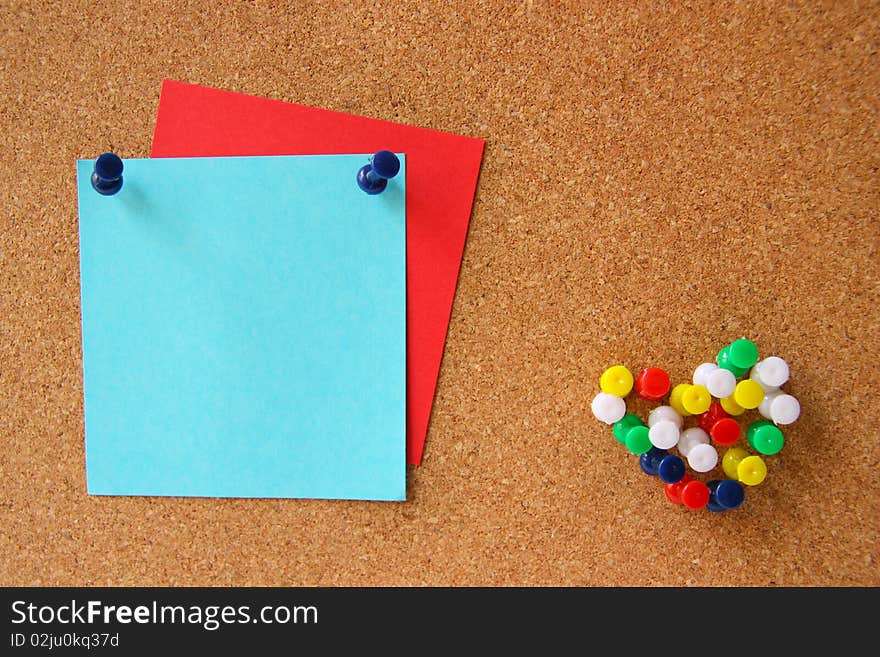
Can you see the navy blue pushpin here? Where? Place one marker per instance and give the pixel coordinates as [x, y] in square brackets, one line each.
[713, 504]
[373, 177]
[670, 469]
[650, 460]
[107, 176]
[727, 494]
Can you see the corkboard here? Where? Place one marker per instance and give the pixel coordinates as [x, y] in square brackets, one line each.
[659, 179]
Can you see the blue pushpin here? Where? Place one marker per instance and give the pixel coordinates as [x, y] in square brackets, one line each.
[373, 177]
[670, 469]
[107, 176]
[713, 504]
[727, 494]
[650, 461]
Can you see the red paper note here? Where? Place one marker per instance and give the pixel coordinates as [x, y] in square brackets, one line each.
[441, 178]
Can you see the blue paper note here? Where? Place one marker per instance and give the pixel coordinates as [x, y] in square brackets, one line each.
[243, 324]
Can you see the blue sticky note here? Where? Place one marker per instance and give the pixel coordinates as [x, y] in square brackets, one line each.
[244, 329]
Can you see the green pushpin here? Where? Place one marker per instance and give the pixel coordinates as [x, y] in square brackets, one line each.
[637, 440]
[723, 360]
[765, 437]
[754, 426]
[742, 353]
[624, 424]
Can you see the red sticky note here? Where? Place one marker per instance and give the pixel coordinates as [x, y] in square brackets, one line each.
[441, 178]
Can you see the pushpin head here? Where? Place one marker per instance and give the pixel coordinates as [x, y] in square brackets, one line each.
[695, 495]
[616, 380]
[743, 353]
[373, 177]
[671, 469]
[673, 491]
[650, 461]
[637, 440]
[725, 495]
[713, 504]
[729, 494]
[652, 383]
[624, 424]
[107, 176]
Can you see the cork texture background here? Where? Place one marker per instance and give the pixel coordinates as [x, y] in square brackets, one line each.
[659, 179]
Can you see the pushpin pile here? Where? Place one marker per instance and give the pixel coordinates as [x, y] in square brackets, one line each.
[721, 391]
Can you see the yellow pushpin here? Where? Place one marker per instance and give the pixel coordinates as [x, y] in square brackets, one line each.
[696, 399]
[729, 404]
[748, 394]
[617, 381]
[675, 399]
[751, 470]
[731, 461]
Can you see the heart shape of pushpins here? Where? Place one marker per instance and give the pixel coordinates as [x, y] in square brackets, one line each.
[720, 393]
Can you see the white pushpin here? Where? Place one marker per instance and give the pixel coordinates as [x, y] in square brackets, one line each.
[703, 458]
[720, 383]
[771, 372]
[690, 438]
[608, 408]
[662, 413]
[764, 408]
[702, 372]
[664, 434]
[780, 407]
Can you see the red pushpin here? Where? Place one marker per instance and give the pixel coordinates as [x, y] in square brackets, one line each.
[695, 495]
[652, 383]
[673, 491]
[709, 418]
[725, 431]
